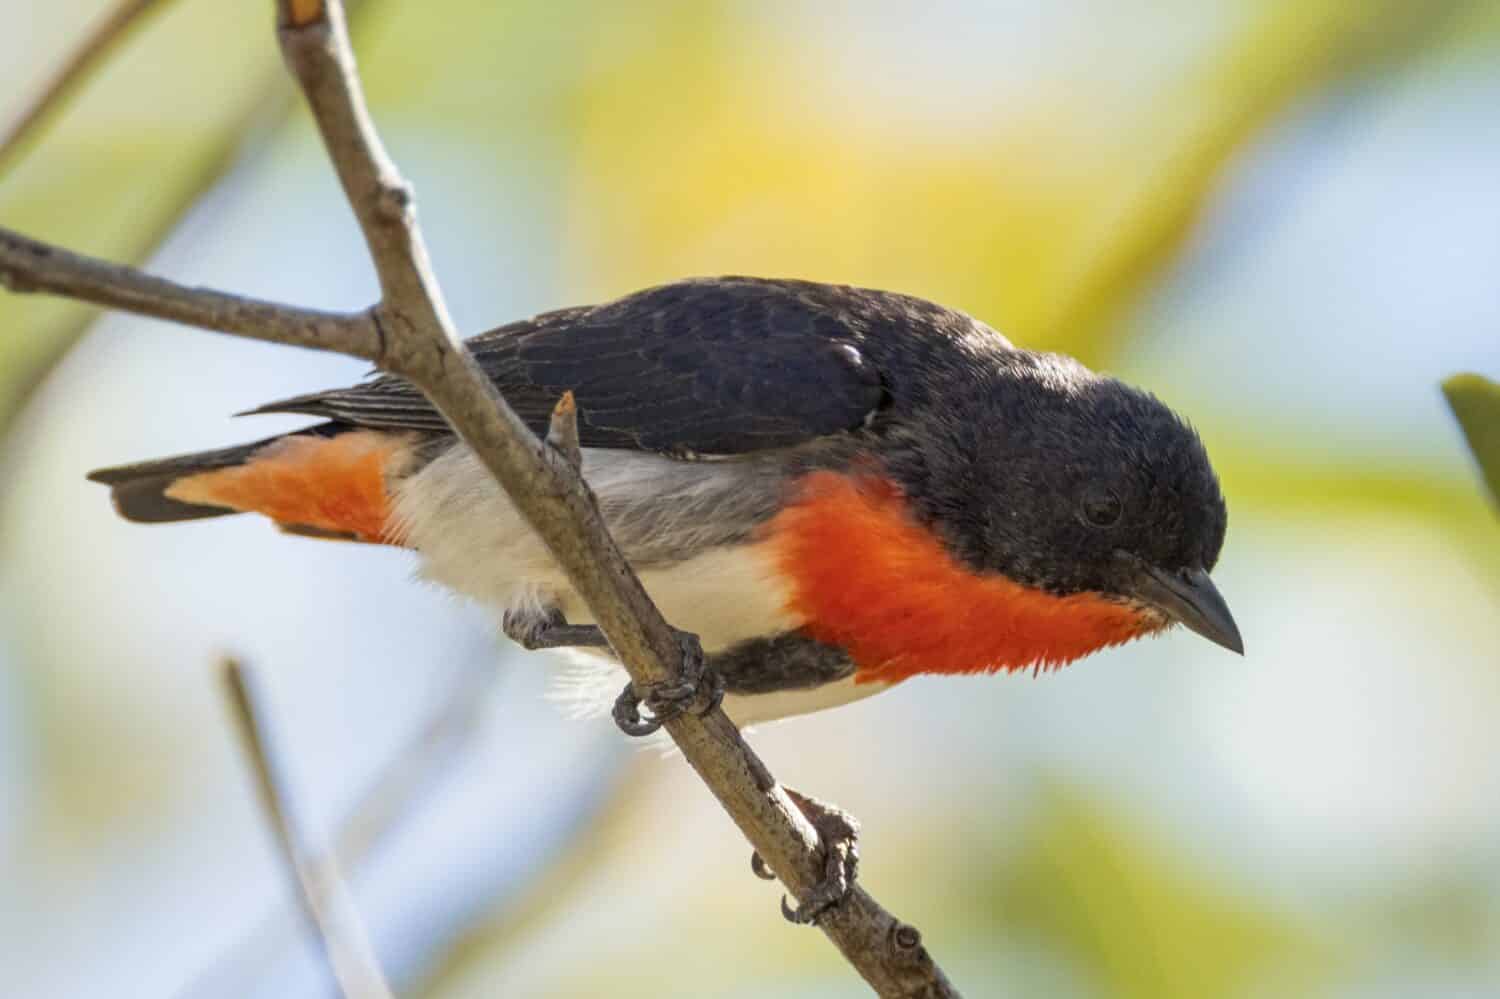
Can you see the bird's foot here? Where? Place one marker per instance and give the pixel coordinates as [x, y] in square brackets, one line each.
[698, 688]
[838, 832]
[548, 629]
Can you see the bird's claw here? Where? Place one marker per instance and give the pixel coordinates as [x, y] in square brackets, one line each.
[758, 866]
[549, 629]
[530, 630]
[698, 689]
[838, 832]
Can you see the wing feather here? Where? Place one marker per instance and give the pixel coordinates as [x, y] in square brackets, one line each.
[717, 367]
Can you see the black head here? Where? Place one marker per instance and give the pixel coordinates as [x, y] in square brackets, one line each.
[1071, 482]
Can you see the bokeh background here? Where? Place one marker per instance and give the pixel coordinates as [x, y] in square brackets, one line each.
[1281, 216]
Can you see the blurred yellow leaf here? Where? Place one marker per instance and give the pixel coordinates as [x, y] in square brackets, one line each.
[704, 147]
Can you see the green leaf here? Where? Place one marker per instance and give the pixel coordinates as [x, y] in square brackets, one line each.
[1124, 905]
[1476, 402]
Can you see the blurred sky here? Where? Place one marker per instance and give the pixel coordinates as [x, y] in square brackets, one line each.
[1283, 218]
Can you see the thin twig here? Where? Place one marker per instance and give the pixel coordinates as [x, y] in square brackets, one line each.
[324, 897]
[414, 338]
[413, 771]
[54, 93]
[29, 265]
[562, 430]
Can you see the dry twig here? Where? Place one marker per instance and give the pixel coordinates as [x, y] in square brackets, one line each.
[70, 75]
[408, 333]
[414, 769]
[320, 888]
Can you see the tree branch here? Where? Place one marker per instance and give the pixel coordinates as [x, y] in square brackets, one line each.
[325, 899]
[413, 337]
[27, 265]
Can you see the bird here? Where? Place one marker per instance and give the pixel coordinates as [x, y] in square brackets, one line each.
[827, 490]
[833, 488]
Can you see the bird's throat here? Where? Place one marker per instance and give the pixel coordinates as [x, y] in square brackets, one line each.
[865, 575]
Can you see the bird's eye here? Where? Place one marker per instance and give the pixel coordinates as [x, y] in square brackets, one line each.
[1101, 508]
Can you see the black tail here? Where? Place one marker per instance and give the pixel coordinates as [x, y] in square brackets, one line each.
[139, 491]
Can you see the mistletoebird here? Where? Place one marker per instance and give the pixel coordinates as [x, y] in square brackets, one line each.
[834, 488]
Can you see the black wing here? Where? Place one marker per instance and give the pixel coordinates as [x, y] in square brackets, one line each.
[716, 367]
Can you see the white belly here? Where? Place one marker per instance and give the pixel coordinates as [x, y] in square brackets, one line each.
[724, 596]
[472, 541]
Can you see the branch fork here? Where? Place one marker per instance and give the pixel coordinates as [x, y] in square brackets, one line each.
[409, 333]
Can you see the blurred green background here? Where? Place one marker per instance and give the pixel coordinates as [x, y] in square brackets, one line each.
[1283, 217]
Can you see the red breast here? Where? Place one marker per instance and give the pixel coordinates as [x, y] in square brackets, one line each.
[866, 576]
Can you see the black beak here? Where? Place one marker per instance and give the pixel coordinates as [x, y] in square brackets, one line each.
[1191, 599]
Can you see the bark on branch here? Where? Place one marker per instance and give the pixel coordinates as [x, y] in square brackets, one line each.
[409, 333]
[28, 265]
